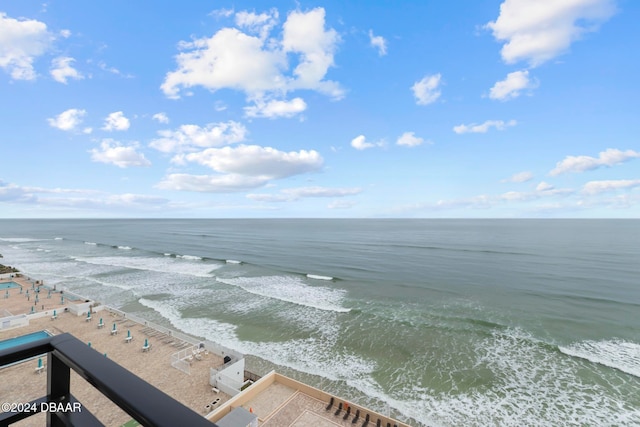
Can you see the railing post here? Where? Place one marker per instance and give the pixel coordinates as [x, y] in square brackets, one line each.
[58, 386]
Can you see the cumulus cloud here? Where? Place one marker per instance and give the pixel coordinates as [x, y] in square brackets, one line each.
[257, 66]
[539, 30]
[241, 168]
[512, 86]
[544, 186]
[189, 138]
[161, 118]
[427, 90]
[607, 158]
[378, 42]
[293, 194]
[519, 177]
[360, 143]
[595, 187]
[67, 120]
[116, 121]
[409, 139]
[341, 204]
[21, 42]
[260, 24]
[61, 69]
[253, 160]
[114, 153]
[484, 127]
[273, 109]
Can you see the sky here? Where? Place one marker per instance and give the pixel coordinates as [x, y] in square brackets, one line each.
[360, 109]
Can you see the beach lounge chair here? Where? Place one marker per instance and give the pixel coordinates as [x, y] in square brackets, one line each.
[101, 324]
[338, 410]
[146, 346]
[114, 331]
[40, 366]
[357, 417]
[128, 338]
[330, 404]
[346, 415]
[88, 318]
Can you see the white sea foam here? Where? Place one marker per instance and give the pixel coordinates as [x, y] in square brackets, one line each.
[189, 257]
[233, 261]
[164, 265]
[20, 239]
[618, 354]
[91, 243]
[167, 254]
[126, 248]
[310, 355]
[315, 276]
[58, 238]
[291, 289]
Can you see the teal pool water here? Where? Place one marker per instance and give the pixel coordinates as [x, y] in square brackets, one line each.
[23, 339]
[9, 285]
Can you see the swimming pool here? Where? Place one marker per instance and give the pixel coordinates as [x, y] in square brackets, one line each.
[8, 285]
[23, 339]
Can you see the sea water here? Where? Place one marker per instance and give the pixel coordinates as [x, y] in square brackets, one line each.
[437, 322]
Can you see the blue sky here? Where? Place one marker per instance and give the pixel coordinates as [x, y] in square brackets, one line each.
[472, 109]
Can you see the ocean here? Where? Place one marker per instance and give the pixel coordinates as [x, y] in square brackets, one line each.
[436, 322]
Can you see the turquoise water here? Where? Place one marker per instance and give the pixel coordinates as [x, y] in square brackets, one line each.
[9, 285]
[23, 339]
[439, 322]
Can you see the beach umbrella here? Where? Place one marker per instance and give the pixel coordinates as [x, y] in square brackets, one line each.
[61, 300]
[32, 310]
[114, 326]
[54, 313]
[146, 343]
[49, 296]
[88, 314]
[89, 343]
[105, 355]
[40, 362]
[128, 333]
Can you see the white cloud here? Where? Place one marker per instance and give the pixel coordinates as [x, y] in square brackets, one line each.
[61, 69]
[65, 33]
[254, 160]
[544, 186]
[116, 121]
[192, 137]
[222, 13]
[211, 183]
[161, 118]
[519, 177]
[484, 127]
[113, 152]
[608, 158]
[595, 187]
[379, 43]
[409, 139]
[427, 90]
[233, 59]
[539, 30]
[511, 87]
[293, 194]
[21, 42]
[274, 109]
[360, 143]
[67, 120]
[258, 24]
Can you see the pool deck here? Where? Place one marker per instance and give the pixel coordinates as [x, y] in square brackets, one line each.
[23, 384]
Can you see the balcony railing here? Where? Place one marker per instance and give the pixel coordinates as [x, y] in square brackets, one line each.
[145, 403]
